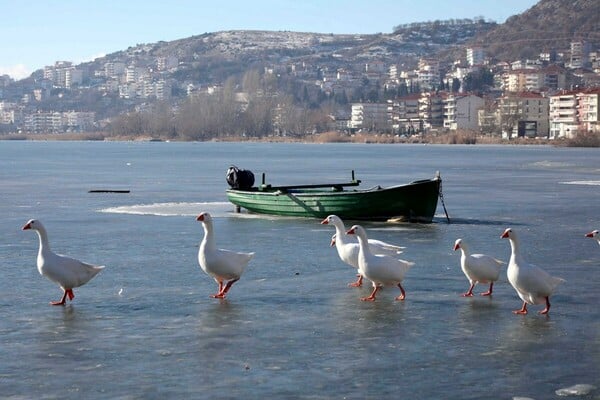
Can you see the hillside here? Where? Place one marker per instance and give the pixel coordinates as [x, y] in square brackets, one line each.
[550, 24]
[268, 82]
[213, 56]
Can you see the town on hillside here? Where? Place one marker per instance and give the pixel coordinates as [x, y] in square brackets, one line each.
[299, 92]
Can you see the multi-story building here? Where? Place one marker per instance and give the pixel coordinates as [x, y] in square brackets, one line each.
[161, 90]
[128, 90]
[429, 73]
[73, 76]
[43, 122]
[370, 117]
[431, 109]
[78, 121]
[475, 56]
[534, 79]
[166, 63]
[487, 116]
[580, 51]
[134, 74]
[588, 103]
[521, 80]
[572, 112]
[523, 114]
[563, 115]
[555, 77]
[114, 69]
[461, 111]
[10, 113]
[394, 73]
[63, 74]
[404, 114]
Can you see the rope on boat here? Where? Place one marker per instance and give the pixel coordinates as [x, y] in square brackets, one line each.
[441, 194]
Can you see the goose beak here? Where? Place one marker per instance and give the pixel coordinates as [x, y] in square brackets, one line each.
[456, 247]
[200, 217]
[350, 231]
[591, 234]
[325, 222]
[27, 226]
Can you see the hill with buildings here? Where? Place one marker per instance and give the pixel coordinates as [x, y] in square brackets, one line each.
[262, 83]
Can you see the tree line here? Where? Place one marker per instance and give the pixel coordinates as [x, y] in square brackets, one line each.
[257, 104]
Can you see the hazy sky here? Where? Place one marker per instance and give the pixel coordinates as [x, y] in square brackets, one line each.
[36, 33]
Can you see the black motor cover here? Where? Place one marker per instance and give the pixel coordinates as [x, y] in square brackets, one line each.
[242, 179]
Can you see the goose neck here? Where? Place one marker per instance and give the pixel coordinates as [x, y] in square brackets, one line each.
[43, 237]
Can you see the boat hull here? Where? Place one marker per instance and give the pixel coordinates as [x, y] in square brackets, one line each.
[415, 202]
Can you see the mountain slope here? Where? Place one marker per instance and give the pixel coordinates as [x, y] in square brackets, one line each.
[550, 24]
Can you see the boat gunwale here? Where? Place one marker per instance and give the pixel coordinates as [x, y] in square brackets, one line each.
[332, 191]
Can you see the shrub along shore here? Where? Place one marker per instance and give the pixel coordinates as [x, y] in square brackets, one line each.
[582, 140]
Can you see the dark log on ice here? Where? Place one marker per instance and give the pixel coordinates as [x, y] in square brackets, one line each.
[108, 191]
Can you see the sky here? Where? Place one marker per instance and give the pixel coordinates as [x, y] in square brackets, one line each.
[37, 33]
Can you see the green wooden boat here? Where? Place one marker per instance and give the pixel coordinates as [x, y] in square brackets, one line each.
[414, 202]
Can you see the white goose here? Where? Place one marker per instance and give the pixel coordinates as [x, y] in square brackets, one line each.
[478, 268]
[223, 265]
[348, 251]
[67, 272]
[594, 234]
[533, 284]
[380, 269]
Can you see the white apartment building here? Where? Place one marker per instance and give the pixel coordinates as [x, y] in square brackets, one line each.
[43, 122]
[114, 69]
[394, 73]
[135, 74]
[563, 115]
[73, 77]
[370, 117]
[58, 122]
[572, 112]
[10, 113]
[129, 91]
[77, 121]
[475, 56]
[429, 73]
[588, 103]
[160, 89]
[431, 109]
[63, 74]
[461, 111]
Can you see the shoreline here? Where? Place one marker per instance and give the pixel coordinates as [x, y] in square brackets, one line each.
[460, 138]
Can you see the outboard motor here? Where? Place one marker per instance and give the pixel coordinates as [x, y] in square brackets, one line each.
[241, 179]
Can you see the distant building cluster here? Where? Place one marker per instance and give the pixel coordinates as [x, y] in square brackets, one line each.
[528, 98]
[553, 96]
